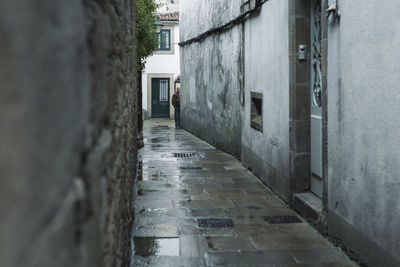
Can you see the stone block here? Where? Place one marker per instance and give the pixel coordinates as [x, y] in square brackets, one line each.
[303, 136]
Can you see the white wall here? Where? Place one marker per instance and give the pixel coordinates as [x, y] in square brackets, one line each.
[166, 64]
[168, 6]
[364, 128]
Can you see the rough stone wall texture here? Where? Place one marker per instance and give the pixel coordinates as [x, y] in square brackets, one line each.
[210, 71]
[68, 132]
[364, 130]
[299, 91]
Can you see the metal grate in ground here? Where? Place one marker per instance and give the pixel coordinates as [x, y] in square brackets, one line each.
[215, 223]
[183, 155]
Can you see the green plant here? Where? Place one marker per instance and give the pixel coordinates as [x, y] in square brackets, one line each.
[146, 34]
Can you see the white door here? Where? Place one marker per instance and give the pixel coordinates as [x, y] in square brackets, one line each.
[316, 87]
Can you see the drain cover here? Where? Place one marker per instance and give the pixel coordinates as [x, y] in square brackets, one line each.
[253, 207]
[190, 168]
[282, 219]
[183, 155]
[215, 223]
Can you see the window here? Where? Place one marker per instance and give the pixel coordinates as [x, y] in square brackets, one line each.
[256, 120]
[164, 38]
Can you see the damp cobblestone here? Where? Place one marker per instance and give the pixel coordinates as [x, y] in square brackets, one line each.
[182, 181]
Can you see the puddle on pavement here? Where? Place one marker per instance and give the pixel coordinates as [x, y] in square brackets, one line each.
[151, 246]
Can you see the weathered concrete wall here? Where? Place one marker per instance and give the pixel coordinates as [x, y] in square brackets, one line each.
[360, 106]
[212, 81]
[267, 72]
[67, 138]
[364, 130]
[210, 70]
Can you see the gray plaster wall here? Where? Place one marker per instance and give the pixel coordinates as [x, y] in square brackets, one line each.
[198, 16]
[210, 74]
[266, 55]
[251, 57]
[67, 122]
[364, 130]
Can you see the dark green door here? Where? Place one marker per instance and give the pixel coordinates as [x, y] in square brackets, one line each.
[160, 98]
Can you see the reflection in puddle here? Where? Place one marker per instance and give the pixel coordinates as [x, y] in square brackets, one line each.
[150, 246]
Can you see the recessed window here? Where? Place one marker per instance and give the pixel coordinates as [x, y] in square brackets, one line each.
[164, 38]
[256, 120]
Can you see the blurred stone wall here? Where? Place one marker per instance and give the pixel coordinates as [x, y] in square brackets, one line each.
[67, 132]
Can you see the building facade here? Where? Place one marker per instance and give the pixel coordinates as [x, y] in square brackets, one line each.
[304, 93]
[161, 72]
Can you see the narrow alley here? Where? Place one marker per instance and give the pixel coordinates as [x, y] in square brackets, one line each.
[199, 133]
[198, 206]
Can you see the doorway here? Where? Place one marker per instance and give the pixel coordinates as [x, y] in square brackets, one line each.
[316, 94]
[160, 97]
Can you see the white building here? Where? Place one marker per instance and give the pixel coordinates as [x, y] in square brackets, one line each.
[162, 69]
[307, 95]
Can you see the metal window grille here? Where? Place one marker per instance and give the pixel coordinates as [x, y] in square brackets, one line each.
[163, 90]
[316, 54]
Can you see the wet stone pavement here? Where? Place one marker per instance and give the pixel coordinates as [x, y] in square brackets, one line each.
[198, 206]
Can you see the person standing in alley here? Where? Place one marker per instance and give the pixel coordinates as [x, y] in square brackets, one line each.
[176, 102]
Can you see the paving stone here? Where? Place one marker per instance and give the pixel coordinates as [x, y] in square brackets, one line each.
[250, 229]
[234, 258]
[169, 201]
[194, 230]
[152, 204]
[249, 220]
[155, 230]
[226, 195]
[213, 191]
[320, 255]
[288, 229]
[346, 263]
[207, 213]
[193, 246]
[282, 219]
[229, 243]
[263, 211]
[158, 213]
[290, 242]
[263, 202]
[173, 261]
[206, 204]
[218, 180]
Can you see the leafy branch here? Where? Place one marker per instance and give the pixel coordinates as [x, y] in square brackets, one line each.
[146, 34]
